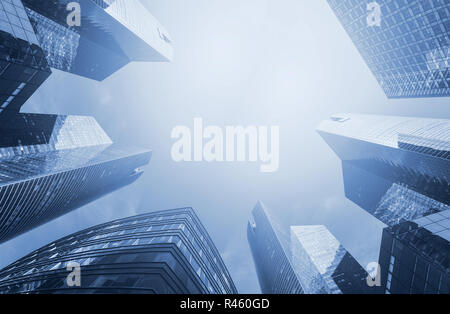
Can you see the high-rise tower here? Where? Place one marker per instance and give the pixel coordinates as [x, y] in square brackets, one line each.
[404, 43]
[161, 252]
[111, 34]
[23, 66]
[415, 256]
[269, 243]
[324, 266]
[396, 168]
[50, 165]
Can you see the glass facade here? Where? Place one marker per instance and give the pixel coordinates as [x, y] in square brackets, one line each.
[323, 265]
[415, 256]
[50, 165]
[396, 168]
[23, 67]
[112, 34]
[409, 51]
[59, 43]
[269, 244]
[161, 252]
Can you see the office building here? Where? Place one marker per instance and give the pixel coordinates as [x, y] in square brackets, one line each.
[269, 243]
[50, 165]
[396, 168]
[324, 266]
[404, 43]
[23, 66]
[415, 256]
[111, 34]
[163, 252]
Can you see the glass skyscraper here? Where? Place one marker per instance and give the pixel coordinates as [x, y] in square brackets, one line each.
[269, 243]
[396, 168]
[415, 256]
[406, 44]
[50, 165]
[161, 252]
[35, 36]
[23, 66]
[324, 266]
[112, 34]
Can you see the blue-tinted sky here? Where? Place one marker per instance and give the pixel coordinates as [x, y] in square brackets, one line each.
[237, 62]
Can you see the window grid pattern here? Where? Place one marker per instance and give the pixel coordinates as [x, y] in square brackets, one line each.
[424, 145]
[438, 223]
[14, 20]
[415, 256]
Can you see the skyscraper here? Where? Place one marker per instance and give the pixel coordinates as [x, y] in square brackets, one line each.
[23, 66]
[404, 43]
[50, 165]
[396, 168]
[161, 252]
[415, 256]
[324, 266]
[111, 34]
[269, 243]
[37, 36]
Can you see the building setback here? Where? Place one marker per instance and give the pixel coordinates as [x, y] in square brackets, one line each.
[51, 165]
[395, 168]
[111, 34]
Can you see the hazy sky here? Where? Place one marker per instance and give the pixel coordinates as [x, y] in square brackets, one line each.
[237, 62]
